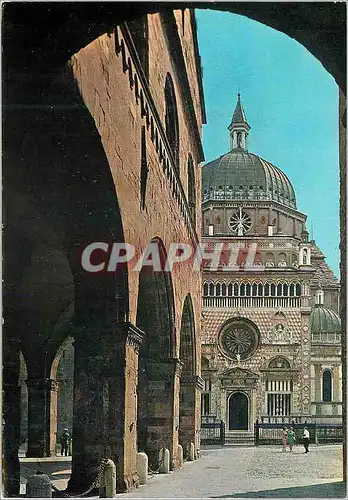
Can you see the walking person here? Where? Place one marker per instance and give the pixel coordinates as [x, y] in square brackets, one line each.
[284, 438]
[291, 438]
[306, 439]
[64, 441]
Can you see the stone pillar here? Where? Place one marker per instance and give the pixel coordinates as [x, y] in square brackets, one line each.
[11, 438]
[162, 419]
[10, 410]
[42, 417]
[104, 422]
[190, 399]
[317, 383]
[336, 383]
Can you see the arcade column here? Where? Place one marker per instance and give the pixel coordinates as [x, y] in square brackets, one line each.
[105, 402]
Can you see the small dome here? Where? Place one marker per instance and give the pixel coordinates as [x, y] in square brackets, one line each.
[240, 175]
[323, 320]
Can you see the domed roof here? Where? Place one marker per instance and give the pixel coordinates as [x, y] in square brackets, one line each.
[240, 175]
[323, 320]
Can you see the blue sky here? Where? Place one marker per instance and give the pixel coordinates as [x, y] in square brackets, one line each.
[291, 104]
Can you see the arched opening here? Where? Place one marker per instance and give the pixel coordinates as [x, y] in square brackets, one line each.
[191, 188]
[78, 206]
[62, 372]
[157, 426]
[171, 119]
[189, 396]
[238, 412]
[68, 47]
[327, 386]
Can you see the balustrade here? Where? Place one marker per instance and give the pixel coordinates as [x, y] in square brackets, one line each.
[254, 302]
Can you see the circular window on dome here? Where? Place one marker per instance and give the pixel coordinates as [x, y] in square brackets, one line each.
[239, 338]
[240, 222]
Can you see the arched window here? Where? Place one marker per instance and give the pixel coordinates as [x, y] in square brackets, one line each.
[266, 289]
[211, 289]
[292, 290]
[273, 289]
[230, 290]
[205, 289]
[236, 290]
[260, 290]
[279, 289]
[242, 290]
[254, 290]
[248, 290]
[285, 290]
[171, 119]
[218, 289]
[223, 289]
[191, 186]
[327, 386]
[143, 170]
[140, 35]
[298, 290]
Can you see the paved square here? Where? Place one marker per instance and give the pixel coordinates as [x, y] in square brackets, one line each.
[252, 471]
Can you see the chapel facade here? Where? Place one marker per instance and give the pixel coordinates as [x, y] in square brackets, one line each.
[270, 331]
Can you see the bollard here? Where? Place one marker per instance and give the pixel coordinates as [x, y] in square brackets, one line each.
[107, 486]
[142, 467]
[164, 459]
[181, 455]
[190, 452]
[39, 486]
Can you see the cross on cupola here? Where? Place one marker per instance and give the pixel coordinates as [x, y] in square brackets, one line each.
[239, 128]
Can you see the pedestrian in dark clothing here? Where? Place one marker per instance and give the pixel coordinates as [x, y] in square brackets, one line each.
[306, 439]
[64, 441]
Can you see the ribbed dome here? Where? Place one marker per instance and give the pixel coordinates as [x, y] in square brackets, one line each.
[240, 175]
[323, 320]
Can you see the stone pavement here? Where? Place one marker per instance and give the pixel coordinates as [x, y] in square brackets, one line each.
[239, 472]
[231, 472]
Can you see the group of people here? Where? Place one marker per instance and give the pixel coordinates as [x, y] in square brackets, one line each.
[288, 438]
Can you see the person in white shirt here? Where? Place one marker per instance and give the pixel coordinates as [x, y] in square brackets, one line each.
[306, 439]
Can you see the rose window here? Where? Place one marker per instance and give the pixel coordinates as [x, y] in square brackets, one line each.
[240, 222]
[239, 339]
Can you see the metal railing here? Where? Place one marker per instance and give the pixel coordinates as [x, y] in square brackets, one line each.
[271, 433]
[329, 433]
[213, 433]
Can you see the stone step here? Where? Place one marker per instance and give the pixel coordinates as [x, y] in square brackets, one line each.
[239, 439]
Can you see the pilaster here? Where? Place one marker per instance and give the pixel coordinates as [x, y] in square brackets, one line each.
[42, 417]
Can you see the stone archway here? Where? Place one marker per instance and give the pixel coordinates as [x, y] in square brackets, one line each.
[159, 371]
[189, 382]
[62, 376]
